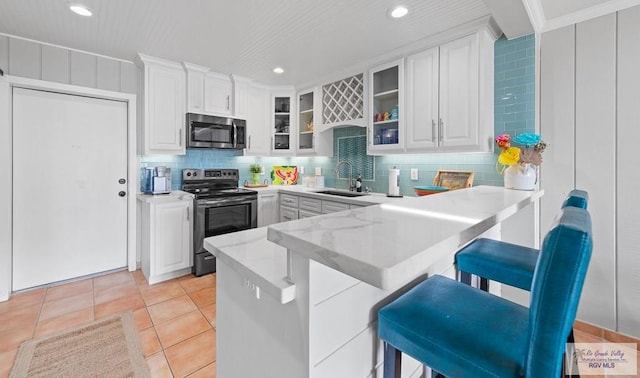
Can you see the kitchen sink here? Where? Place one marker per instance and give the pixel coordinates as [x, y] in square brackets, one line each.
[343, 193]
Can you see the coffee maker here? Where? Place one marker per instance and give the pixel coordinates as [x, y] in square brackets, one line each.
[156, 180]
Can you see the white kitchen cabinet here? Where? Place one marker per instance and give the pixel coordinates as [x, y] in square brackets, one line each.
[240, 96]
[302, 214]
[288, 207]
[333, 207]
[214, 93]
[258, 120]
[195, 87]
[299, 207]
[217, 94]
[288, 213]
[267, 208]
[310, 204]
[450, 96]
[283, 123]
[386, 96]
[312, 139]
[163, 107]
[166, 235]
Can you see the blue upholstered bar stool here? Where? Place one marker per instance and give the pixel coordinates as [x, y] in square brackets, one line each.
[504, 262]
[460, 331]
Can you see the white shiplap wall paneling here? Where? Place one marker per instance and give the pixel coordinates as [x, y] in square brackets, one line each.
[4, 53]
[83, 69]
[129, 78]
[557, 120]
[596, 159]
[24, 58]
[108, 74]
[628, 163]
[55, 64]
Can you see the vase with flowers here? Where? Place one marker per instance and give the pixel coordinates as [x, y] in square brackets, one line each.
[519, 165]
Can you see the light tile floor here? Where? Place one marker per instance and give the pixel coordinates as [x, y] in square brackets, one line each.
[176, 319]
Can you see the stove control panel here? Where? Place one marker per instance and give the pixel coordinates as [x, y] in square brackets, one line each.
[209, 174]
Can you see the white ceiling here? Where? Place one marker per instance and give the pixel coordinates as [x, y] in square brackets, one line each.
[308, 38]
[311, 39]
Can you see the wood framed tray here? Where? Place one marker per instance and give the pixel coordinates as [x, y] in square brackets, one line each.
[454, 179]
[246, 184]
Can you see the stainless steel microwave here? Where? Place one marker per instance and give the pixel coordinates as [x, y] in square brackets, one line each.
[205, 131]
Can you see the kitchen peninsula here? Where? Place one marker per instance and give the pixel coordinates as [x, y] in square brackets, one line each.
[300, 299]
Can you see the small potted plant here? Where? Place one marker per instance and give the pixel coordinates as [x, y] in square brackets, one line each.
[255, 170]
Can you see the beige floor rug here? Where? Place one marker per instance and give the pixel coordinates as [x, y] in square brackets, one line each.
[105, 348]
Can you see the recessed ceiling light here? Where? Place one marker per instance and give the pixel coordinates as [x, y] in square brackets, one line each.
[81, 10]
[278, 70]
[398, 12]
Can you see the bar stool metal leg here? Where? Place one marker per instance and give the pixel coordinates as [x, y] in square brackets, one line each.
[392, 361]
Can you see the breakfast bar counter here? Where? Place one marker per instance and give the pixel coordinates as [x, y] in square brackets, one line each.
[344, 267]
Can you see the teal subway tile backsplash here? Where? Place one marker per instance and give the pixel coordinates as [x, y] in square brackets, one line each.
[514, 113]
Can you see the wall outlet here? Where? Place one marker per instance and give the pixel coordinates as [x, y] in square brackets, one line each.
[318, 171]
[302, 169]
[414, 174]
[262, 170]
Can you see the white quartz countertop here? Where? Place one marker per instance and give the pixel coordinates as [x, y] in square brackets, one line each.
[158, 198]
[261, 262]
[392, 243]
[364, 200]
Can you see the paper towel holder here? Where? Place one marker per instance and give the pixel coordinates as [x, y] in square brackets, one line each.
[397, 179]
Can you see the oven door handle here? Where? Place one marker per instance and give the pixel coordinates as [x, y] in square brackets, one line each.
[224, 202]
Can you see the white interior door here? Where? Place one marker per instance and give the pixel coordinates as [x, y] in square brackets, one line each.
[69, 153]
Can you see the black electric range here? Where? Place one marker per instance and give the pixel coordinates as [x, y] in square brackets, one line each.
[220, 207]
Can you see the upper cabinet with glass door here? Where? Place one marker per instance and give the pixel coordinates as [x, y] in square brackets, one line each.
[386, 96]
[312, 140]
[282, 139]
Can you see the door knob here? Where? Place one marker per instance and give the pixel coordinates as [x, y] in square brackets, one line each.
[122, 193]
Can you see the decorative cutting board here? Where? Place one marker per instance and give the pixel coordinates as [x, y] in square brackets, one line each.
[284, 175]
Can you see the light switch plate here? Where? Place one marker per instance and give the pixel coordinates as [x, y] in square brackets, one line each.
[318, 171]
[414, 173]
[302, 169]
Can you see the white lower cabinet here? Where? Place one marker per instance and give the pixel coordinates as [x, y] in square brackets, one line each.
[267, 208]
[299, 207]
[288, 213]
[333, 207]
[306, 214]
[166, 236]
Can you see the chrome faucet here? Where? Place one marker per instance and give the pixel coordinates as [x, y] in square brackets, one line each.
[352, 185]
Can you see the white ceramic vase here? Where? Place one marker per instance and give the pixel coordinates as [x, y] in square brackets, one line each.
[520, 177]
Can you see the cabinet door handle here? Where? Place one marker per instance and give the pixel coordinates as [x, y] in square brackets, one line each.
[187, 214]
[228, 102]
[180, 137]
[249, 141]
[440, 130]
[433, 130]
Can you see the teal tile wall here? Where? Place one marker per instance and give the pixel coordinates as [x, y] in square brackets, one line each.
[514, 113]
[514, 85]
